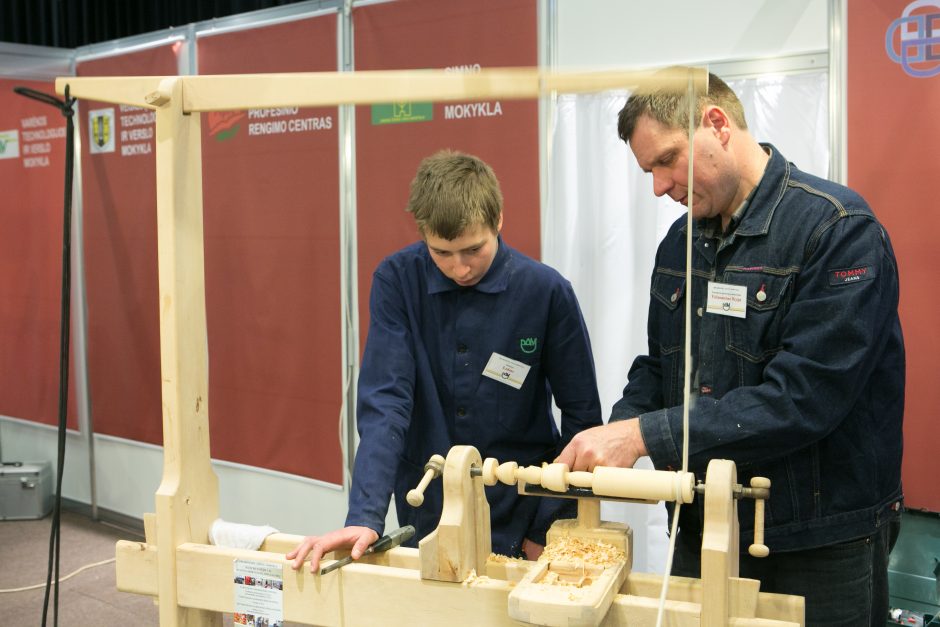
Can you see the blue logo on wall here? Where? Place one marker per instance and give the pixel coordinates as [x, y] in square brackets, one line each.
[913, 40]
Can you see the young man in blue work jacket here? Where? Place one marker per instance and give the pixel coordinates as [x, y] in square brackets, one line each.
[441, 310]
[797, 357]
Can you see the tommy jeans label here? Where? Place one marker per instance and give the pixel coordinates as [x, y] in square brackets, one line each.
[851, 275]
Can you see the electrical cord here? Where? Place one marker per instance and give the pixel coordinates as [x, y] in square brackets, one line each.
[69, 576]
[67, 110]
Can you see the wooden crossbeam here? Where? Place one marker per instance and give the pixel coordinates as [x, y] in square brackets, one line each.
[258, 91]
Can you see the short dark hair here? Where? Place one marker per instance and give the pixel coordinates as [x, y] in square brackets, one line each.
[453, 191]
[671, 108]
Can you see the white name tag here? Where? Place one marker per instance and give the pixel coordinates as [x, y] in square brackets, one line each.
[506, 370]
[725, 299]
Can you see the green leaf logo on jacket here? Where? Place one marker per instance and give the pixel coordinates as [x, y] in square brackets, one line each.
[528, 344]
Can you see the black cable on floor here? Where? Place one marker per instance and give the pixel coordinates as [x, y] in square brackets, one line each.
[66, 108]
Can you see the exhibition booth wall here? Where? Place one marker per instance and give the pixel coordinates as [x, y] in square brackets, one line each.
[301, 204]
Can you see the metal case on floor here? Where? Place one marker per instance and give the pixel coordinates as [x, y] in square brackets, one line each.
[25, 490]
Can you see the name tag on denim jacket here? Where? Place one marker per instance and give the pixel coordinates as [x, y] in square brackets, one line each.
[726, 299]
[506, 370]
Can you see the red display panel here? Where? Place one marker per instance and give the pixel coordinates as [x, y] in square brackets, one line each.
[392, 139]
[32, 176]
[271, 207]
[893, 97]
[120, 236]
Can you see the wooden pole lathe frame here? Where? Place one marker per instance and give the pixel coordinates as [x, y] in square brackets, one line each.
[191, 579]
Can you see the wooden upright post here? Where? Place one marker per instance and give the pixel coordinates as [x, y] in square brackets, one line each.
[461, 543]
[187, 500]
[719, 542]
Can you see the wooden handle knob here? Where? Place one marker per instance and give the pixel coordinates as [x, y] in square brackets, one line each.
[759, 549]
[432, 469]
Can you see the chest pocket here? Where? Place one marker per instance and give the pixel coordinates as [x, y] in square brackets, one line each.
[668, 292]
[757, 336]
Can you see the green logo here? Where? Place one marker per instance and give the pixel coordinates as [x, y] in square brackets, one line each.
[528, 344]
[3, 146]
[399, 112]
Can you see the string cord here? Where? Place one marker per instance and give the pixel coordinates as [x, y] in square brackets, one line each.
[687, 356]
[66, 107]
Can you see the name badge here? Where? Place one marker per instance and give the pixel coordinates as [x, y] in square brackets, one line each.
[725, 299]
[505, 370]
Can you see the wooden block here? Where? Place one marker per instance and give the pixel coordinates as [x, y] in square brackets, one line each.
[461, 543]
[135, 565]
[543, 598]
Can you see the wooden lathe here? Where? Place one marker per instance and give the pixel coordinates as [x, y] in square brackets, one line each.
[451, 576]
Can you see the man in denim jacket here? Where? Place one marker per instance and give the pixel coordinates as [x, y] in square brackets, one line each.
[797, 357]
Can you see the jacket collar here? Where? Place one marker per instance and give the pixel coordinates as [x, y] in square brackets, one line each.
[494, 281]
[759, 211]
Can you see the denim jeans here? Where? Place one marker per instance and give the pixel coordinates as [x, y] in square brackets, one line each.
[845, 585]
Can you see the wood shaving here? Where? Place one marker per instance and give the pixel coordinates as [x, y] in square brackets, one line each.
[575, 550]
[503, 559]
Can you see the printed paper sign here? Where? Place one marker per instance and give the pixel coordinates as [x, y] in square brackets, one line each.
[259, 594]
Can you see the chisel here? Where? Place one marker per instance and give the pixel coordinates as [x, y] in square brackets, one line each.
[384, 543]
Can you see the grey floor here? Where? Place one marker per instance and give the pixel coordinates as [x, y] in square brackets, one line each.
[90, 597]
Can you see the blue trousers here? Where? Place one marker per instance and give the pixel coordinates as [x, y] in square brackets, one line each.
[845, 585]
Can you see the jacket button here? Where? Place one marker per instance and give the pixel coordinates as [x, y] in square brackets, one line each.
[461, 412]
[461, 348]
[699, 312]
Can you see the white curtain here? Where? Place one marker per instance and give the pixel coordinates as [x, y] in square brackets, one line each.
[602, 225]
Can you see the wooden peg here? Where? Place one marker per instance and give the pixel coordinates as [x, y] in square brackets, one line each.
[759, 549]
[432, 470]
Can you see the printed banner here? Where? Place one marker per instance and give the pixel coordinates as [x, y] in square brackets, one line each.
[392, 138]
[120, 236]
[271, 203]
[893, 126]
[32, 180]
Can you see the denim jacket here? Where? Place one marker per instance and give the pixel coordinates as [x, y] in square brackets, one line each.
[808, 388]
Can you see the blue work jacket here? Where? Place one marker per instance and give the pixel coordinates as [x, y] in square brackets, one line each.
[422, 389]
[808, 388]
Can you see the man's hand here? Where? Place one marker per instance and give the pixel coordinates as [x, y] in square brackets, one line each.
[616, 444]
[359, 538]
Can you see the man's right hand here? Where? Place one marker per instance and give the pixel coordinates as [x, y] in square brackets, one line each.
[617, 444]
[359, 538]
